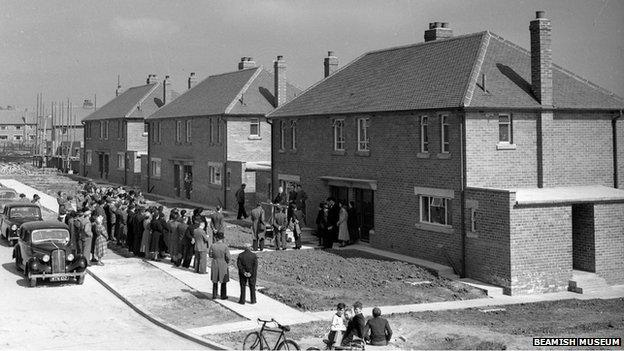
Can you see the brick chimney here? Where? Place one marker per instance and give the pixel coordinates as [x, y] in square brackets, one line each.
[152, 78]
[167, 91]
[192, 80]
[246, 62]
[279, 69]
[438, 30]
[330, 63]
[541, 59]
[119, 90]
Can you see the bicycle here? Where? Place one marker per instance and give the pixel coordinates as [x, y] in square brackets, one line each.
[256, 340]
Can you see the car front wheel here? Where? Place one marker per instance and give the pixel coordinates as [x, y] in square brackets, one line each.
[32, 282]
[80, 279]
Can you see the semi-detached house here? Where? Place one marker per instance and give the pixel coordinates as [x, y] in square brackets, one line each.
[115, 136]
[214, 137]
[469, 151]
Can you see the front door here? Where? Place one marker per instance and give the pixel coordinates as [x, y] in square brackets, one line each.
[188, 181]
[106, 160]
[365, 209]
[176, 179]
[101, 164]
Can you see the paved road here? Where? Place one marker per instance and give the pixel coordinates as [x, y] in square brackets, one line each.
[69, 316]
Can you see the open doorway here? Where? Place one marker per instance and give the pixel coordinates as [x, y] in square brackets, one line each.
[583, 238]
[364, 204]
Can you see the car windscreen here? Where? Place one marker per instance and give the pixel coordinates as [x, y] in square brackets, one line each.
[58, 235]
[7, 194]
[19, 212]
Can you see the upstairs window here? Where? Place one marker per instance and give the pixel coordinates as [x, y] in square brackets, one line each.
[435, 210]
[282, 135]
[211, 130]
[339, 139]
[219, 122]
[188, 131]
[444, 134]
[101, 125]
[178, 131]
[159, 131]
[363, 139]
[105, 130]
[293, 135]
[424, 134]
[504, 129]
[254, 127]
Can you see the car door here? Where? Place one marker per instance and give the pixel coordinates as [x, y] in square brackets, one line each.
[2, 220]
[23, 243]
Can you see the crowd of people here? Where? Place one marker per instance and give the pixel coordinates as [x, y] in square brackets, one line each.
[349, 325]
[336, 221]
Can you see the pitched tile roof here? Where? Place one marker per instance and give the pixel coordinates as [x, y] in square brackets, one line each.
[247, 91]
[14, 117]
[136, 102]
[442, 74]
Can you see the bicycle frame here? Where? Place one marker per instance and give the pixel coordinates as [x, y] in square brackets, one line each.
[264, 342]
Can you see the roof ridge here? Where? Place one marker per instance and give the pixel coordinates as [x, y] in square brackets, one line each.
[243, 89]
[156, 85]
[476, 68]
[432, 42]
[232, 72]
[563, 70]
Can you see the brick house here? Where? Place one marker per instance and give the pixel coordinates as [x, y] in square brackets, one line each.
[468, 151]
[115, 136]
[216, 136]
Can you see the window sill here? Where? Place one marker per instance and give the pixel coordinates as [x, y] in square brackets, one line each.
[282, 151]
[505, 146]
[444, 155]
[293, 150]
[440, 228]
[365, 153]
[144, 134]
[214, 186]
[254, 137]
[472, 235]
[156, 177]
[339, 152]
[422, 155]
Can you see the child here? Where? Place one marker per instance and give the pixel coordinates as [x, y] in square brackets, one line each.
[338, 326]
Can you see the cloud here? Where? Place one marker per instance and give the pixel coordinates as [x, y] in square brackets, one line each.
[144, 29]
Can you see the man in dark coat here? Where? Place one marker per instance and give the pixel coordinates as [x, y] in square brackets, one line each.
[280, 223]
[379, 328]
[130, 228]
[247, 264]
[219, 272]
[240, 198]
[216, 222]
[332, 218]
[258, 227]
[357, 325]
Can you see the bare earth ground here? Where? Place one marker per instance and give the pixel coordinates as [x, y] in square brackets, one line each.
[512, 327]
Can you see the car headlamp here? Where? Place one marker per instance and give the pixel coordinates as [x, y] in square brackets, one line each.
[14, 227]
[70, 257]
[45, 258]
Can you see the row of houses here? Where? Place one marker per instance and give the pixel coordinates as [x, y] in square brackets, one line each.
[468, 151]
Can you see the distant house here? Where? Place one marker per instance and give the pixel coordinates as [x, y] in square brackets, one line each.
[64, 129]
[17, 126]
[468, 151]
[115, 136]
[215, 136]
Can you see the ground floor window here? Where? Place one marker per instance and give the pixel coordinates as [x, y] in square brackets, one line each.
[214, 173]
[89, 157]
[155, 165]
[435, 210]
[121, 160]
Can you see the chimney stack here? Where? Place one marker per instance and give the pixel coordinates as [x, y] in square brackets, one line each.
[167, 91]
[192, 80]
[437, 31]
[246, 62]
[119, 90]
[279, 69]
[541, 59]
[330, 63]
[152, 78]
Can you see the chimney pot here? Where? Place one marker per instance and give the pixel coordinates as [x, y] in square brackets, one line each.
[438, 24]
[167, 91]
[540, 14]
[431, 25]
[330, 53]
[279, 71]
[330, 64]
[246, 62]
[192, 80]
[438, 30]
[279, 57]
[541, 59]
[445, 24]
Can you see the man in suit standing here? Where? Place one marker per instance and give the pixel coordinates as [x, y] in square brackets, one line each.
[280, 223]
[258, 227]
[247, 264]
[357, 325]
[219, 272]
[202, 243]
[240, 198]
[216, 221]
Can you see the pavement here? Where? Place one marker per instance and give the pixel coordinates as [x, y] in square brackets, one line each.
[267, 307]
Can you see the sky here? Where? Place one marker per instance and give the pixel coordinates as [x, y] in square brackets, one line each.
[76, 48]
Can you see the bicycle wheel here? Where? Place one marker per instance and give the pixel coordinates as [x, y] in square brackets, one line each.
[252, 341]
[288, 345]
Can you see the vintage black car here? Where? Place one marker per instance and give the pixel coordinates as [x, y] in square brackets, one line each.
[7, 195]
[44, 252]
[15, 214]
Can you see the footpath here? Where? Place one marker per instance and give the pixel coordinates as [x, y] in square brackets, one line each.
[115, 277]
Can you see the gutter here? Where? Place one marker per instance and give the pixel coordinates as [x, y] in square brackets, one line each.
[615, 151]
[273, 170]
[225, 160]
[462, 156]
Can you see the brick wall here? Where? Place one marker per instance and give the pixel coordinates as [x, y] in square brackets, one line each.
[583, 244]
[393, 163]
[577, 150]
[609, 231]
[541, 248]
[487, 248]
[620, 149]
[243, 147]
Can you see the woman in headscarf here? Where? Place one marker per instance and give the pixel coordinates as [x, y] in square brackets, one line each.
[101, 240]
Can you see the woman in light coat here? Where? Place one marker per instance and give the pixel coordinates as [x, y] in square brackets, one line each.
[343, 228]
[220, 254]
[145, 238]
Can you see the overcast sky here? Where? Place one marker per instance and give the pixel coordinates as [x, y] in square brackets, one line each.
[77, 48]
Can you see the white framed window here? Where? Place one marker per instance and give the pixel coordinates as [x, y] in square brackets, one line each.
[293, 135]
[188, 131]
[339, 139]
[121, 160]
[444, 134]
[178, 131]
[505, 129]
[282, 135]
[88, 157]
[101, 125]
[473, 219]
[214, 173]
[254, 127]
[159, 131]
[219, 130]
[155, 167]
[424, 134]
[105, 130]
[435, 210]
[211, 130]
[363, 139]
